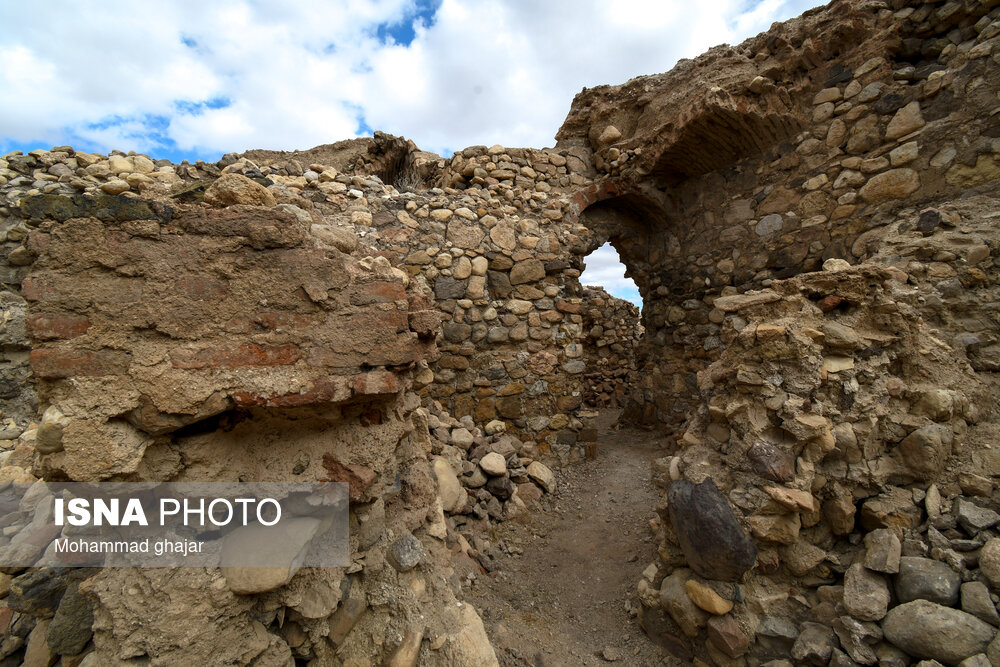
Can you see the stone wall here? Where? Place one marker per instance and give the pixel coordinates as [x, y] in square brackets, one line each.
[613, 333]
[808, 140]
[224, 341]
[421, 319]
[836, 426]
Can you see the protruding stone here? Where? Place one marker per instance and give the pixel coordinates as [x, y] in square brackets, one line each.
[449, 488]
[610, 135]
[542, 475]
[405, 553]
[48, 438]
[772, 462]
[892, 184]
[924, 451]
[676, 602]
[802, 557]
[287, 549]
[713, 542]
[905, 121]
[528, 271]
[70, 629]
[707, 599]
[230, 189]
[777, 528]
[408, 651]
[727, 636]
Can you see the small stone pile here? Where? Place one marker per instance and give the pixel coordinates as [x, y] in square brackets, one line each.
[482, 476]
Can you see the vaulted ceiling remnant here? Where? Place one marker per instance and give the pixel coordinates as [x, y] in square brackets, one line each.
[717, 137]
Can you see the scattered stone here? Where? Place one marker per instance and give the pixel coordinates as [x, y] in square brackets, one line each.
[882, 551]
[707, 599]
[493, 464]
[989, 562]
[814, 645]
[501, 487]
[866, 594]
[802, 557]
[405, 553]
[976, 601]
[858, 639]
[611, 654]
[974, 518]
[978, 660]
[461, 438]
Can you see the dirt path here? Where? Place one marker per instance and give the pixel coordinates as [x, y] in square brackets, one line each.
[566, 599]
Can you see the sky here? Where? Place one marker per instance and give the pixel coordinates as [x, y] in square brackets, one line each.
[185, 79]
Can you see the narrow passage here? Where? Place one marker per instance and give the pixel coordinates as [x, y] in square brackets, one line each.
[565, 600]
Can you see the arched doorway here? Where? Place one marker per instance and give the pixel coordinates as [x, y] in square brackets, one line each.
[612, 330]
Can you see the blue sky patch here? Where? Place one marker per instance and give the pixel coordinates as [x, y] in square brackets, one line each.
[402, 32]
[190, 108]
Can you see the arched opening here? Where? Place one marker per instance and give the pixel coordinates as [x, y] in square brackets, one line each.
[622, 258]
[612, 330]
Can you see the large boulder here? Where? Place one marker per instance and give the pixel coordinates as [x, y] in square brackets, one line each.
[713, 541]
[934, 632]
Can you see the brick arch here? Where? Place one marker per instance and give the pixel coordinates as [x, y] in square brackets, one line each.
[716, 136]
[630, 217]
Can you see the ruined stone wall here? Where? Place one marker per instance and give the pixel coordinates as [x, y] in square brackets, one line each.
[232, 340]
[613, 332]
[838, 453]
[418, 322]
[841, 459]
[799, 145]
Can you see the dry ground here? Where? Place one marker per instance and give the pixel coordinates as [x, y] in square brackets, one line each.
[566, 600]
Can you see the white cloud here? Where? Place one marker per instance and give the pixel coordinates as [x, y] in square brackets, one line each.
[605, 269]
[301, 74]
